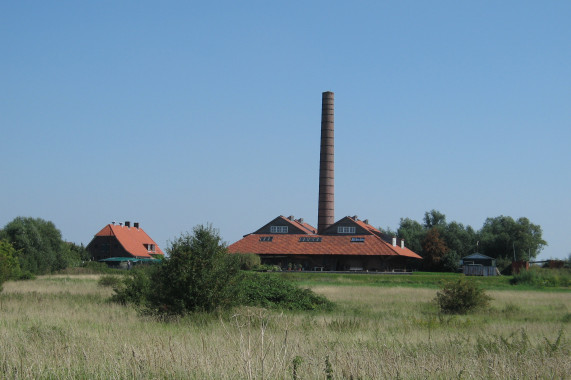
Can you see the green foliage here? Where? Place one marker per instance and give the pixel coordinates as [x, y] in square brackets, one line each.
[248, 261]
[460, 297]
[450, 261]
[135, 288]
[110, 281]
[9, 265]
[273, 292]
[503, 235]
[79, 252]
[413, 234]
[39, 244]
[498, 238]
[199, 275]
[543, 277]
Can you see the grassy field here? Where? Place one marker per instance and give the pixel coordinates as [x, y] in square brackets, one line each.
[58, 327]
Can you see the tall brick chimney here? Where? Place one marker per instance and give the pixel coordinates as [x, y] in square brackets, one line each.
[326, 208]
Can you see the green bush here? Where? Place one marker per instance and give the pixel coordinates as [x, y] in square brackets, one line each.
[199, 275]
[9, 265]
[110, 281]
[543, 277]
[273, 292]
[248, 261]
[460, 297]
[135, 287]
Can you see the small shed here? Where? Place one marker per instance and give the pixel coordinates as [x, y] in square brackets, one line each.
[477, 264]
[479, 259]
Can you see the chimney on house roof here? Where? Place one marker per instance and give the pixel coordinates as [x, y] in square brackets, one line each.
[127, 224]
[291, 218]
[136, 225]
[402, 243]
[326, 206]
[394, 241]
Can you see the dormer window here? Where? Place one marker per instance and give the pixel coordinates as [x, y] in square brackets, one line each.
[345, 230]
[150, 248]
[278, 229]
[357, 240]
[267, 238]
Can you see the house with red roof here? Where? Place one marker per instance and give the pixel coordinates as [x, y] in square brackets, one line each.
[350, 244]
[123, 241]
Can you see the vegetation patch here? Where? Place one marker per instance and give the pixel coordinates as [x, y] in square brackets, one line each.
[268, 291]
[200, 276]
[543, 277]
[461, 297]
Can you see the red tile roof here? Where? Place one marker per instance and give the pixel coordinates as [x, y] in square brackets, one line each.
[289, 244]
[132, 239]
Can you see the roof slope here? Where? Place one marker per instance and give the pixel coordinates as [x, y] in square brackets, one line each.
[132, 239]
[290, 244]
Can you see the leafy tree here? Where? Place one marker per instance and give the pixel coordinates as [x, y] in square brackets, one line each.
[9, 266]
[413, 233]
[39, 245]
[199, 275]
[503, 238]
[434, 249]
[460, 239]
[434, 219]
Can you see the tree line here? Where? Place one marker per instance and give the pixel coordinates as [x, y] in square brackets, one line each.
[33, 246]
[443, 244]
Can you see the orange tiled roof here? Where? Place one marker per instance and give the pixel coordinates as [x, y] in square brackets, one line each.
[290, 244]
[133, 239]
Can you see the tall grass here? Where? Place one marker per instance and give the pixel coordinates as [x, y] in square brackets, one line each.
[64, 327]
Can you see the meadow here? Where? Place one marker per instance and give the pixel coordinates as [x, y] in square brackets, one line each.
[64, 327]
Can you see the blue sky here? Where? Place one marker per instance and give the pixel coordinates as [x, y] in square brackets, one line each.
[173, 113]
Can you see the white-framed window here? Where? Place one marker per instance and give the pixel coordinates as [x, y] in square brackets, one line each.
[278, 229]
[150, 247]
[345, 230]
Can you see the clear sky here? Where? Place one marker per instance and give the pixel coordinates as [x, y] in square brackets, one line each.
[177, 113]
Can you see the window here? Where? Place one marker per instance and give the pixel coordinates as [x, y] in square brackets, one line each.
[357, 240]
[266, 238]
[278, 229]
[345, 230]
[150, 247]
[310, 239]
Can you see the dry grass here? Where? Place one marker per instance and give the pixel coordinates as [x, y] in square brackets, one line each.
[63, 327]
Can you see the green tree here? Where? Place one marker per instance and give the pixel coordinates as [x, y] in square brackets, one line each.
[434, 219]
[9, 266]
[503, 237]
[199, 275]
[459, 239]
[39, 244]
[413, 233]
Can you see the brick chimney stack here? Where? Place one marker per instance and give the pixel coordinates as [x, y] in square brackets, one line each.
[326, 207]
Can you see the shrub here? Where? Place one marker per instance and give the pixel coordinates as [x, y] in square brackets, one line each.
[109, 281]
[270, 291]
[134, 288]
[460, 297]
[248, 261]
[199, 275]
[9, 266]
